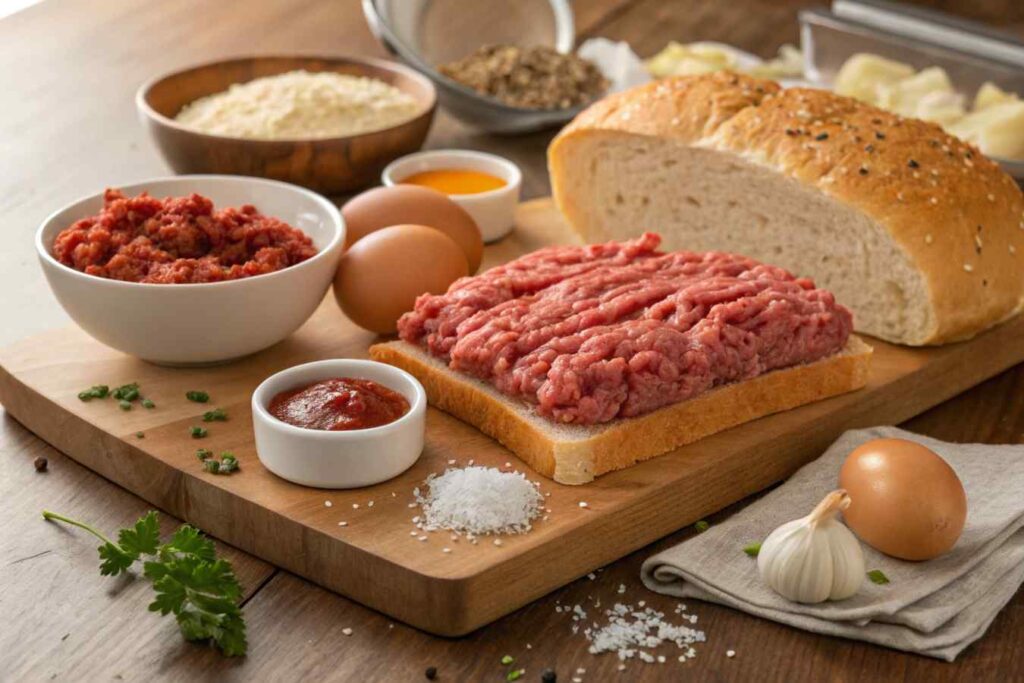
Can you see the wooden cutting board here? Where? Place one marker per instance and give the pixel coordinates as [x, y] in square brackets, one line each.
[374, 559]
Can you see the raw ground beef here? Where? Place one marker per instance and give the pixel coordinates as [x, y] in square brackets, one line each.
[589, 334]
[179, 240]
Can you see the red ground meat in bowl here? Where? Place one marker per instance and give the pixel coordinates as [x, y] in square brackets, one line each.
[225, 267]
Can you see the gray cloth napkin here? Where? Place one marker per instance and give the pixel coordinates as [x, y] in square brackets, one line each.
[935, 608]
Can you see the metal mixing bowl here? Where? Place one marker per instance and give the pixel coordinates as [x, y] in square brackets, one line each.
[425, 33]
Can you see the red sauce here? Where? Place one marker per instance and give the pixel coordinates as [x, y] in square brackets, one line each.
[339, 404]
[179, 240]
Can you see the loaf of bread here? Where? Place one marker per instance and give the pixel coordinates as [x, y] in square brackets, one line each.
[915, 231]
[576, 454]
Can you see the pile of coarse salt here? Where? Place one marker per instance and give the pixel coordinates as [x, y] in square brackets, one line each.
[633, 632]
[479, 500]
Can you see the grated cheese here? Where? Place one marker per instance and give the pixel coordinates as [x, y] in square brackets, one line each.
[300, 105]
[478, 501]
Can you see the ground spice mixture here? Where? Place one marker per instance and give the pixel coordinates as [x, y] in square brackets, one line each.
[530, 78]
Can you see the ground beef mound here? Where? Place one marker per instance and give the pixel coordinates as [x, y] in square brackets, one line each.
[179, 240]
[590, 334]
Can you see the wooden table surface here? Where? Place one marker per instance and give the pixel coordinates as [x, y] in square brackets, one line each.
[68, 71]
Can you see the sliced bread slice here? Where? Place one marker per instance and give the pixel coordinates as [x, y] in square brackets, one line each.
[574, 454]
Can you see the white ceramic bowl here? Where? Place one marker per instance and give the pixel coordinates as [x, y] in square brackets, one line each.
[346, 459]
[494, 211]
[194, 324]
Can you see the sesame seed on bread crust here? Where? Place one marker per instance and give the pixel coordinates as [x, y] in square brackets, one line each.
[957, 218]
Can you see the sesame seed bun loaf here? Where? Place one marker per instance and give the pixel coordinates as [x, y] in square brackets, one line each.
[919, 234]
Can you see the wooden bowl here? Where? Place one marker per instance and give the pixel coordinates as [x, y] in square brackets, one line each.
[327, 165]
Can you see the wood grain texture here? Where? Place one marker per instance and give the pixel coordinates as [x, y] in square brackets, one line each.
[61, 616]
[72, 68]
[374, 559]
[329, 165]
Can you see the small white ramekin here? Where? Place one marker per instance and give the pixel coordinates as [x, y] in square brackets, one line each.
[494, 210]
[346, 459]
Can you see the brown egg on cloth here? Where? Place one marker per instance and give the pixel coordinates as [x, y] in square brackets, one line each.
[906, 501]
[383, 207]
[380, 277]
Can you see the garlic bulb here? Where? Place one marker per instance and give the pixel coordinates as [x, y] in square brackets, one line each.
[814, 558]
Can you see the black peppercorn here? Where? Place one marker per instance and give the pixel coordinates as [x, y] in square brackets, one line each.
[913, 164]
[821, 136]
[41, 464]
[430, 673]
[879, 135]
[549, 676]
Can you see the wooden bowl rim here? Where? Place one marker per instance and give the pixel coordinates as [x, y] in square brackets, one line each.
[143, 105]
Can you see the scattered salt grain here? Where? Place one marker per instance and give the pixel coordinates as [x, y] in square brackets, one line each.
[370, 504]
[634, 632]
[730, 653]
[622, 588]
[421, 538]
[583, 504]
[355, 506]
[342, 523]
[346, 631]
[497, 541]
[451, 462]
[479, 500]
[591, 576]
[328, 503]
[446, 550]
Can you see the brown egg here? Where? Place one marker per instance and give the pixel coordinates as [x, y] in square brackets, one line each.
[382, 207]
[906, 501]
[380, 277]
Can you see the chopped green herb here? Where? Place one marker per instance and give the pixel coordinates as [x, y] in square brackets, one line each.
[146, 403]
[878, 576]
[228, 462]
[216, 415]
[515, 674]
[507, 659]
[124, 405]
[96, 391]
[189, 580]
[701, 526]
[753, 549]
[126, 392]
[197, 396]
[140, 435]
[197, 432]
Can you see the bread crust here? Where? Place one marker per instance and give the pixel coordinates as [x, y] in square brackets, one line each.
[572, 454]
[956, 215]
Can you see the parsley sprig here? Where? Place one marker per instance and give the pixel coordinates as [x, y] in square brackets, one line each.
[190, 582]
